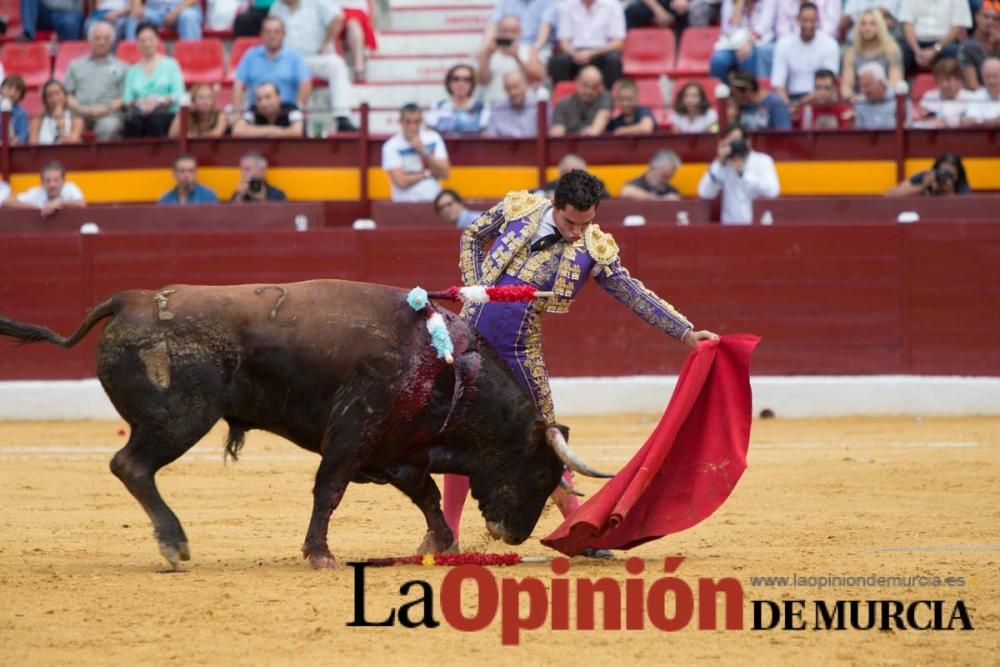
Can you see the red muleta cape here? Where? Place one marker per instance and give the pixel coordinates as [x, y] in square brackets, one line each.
[688, 466]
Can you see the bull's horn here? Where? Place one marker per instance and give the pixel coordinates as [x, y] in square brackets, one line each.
[568, 488]
[559, 445]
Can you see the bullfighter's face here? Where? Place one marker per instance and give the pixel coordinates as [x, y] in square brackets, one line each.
[572, 222]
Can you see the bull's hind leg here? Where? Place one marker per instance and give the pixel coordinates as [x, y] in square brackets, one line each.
[150, 448]
[419, 487]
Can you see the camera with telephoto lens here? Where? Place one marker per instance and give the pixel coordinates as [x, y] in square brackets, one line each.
[943, 175]
[504, 41]
[255, 185]
[738, 148]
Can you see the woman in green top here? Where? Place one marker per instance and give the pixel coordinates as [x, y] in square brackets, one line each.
[153, 88]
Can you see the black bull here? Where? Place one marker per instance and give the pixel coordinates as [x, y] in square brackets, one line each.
[342, 369]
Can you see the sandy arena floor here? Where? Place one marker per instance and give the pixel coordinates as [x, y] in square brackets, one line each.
[81, 580]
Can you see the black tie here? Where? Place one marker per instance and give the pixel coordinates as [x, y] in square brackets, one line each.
[546, 241]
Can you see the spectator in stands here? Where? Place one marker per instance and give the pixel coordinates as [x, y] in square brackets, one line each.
[872, 44]
[269, 116]
[450, 207]
[4, 192]
[591, 32]
[747, 40]
[657, 14]
[853, 9]
[516, 116]
[115, 12]
[462, 112]
[693, 113]
[153, 88]
[741, 174]
[57, 125]
[568, 163]
[931, 30]
[507, 53]
[948, 104]
[798, 57]
[188, 190]
[945, 179]
[983, 43]
[250, 21]
[272, 62]
[824, 110]
[415, 158]
[985, 109]
[253, 186]
[632, 118]
[312, 26]
[537, 19]
[54, 194]
[357, 35]
[828, 17]
[184, 16]
[65, 17]
[94, 83]
[587, 111]
[655, 182]
[204, 118]
[12, 92]
[753, 108]
[876, 110]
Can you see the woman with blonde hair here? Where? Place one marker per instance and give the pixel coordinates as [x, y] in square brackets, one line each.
[204, 119]
[872, 43]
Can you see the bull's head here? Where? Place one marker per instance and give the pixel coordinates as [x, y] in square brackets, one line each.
[513, 497]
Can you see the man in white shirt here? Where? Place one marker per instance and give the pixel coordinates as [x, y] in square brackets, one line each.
[797, 58]
[786, 22]
[54, 194]
[507, 53]
[415, 158]
[949, 103]
[311, 28]
[984, 111]
[741, 175]
[931, 30]
[591, 32]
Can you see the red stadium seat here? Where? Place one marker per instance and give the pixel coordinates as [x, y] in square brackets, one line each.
[695, 50]
[11, 9]
[201, 61]
[32, 103]
[562, 90]
[68, 52]
[130, 54]
[240, 45]
[921, 84]
[29, 59]
[648, 52]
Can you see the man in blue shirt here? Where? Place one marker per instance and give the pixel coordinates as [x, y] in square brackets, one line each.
[538, 19]
[757, 109]
[275, 63]
[188, 190]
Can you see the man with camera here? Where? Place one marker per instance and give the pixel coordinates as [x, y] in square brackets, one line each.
[505, 54]
[253, 187]
[741, 174]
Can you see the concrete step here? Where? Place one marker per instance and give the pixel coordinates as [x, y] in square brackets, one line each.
[422, 43]
[413, 68]
[394, 94]
[439, 17]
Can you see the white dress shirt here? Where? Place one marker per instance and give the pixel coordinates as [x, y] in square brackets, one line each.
[932, 19]
[796, 62]
[38, 198]
[759, 179]
[591, 28]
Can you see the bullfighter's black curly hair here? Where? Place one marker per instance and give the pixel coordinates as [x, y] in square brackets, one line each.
[578, 189]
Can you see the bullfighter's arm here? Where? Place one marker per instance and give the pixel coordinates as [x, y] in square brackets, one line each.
[476, 239]
[616, 281]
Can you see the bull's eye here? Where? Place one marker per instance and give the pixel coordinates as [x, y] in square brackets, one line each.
[541, 478]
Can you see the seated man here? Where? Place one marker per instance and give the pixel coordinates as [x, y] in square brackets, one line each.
[536, 17]
[877, 108]
[505, 54]
[932, 29]
[568, 163]
[632, 118]
[949, 103]
[657, 14]
[798, 56]
[269, 116]
[984, 111]
[516, 116]
[754, 108]
[54, 193]
[591, 32]
[188, 190]
[450, 207]
[272, 62]
[824, 110]
[313, 26]
[655, 183]
[184, 16]
[983, 43]
[587, 111]
[415, 158]
[95, 84]
[253, 187]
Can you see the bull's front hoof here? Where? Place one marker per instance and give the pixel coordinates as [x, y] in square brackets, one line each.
[174, 553]
[322, 561]
[434, 545]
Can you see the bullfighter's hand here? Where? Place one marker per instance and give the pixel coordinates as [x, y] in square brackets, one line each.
[692, 338]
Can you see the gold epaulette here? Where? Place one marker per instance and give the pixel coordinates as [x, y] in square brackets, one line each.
[521, 204]
[600, 245]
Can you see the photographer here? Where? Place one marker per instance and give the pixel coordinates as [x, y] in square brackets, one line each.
[505, 54]
[253, 185]
[945, 179]
[741, 175]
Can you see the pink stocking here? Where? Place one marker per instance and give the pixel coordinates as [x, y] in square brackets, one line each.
[456, 488]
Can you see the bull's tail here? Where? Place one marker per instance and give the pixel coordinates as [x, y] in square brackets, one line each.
[32, 333]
